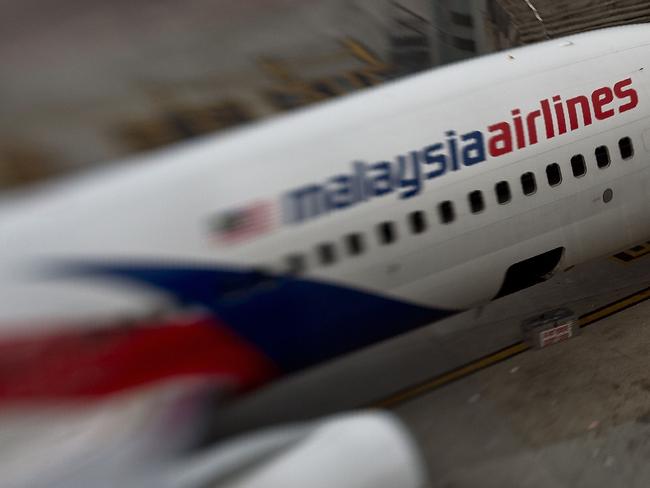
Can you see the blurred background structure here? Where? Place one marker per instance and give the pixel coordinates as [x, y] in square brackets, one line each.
[88, 82]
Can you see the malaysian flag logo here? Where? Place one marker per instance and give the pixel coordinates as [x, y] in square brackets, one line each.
[239, 224]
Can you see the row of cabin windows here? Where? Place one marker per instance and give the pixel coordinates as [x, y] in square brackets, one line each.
[529, 182]
[354, 244]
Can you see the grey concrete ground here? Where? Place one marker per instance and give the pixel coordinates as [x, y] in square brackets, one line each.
[573, 415]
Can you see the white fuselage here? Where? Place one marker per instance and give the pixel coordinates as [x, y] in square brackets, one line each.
[164, 209]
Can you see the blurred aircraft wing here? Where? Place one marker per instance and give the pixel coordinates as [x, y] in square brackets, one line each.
[128, 405]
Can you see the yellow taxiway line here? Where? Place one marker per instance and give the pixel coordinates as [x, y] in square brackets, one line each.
[505, 353]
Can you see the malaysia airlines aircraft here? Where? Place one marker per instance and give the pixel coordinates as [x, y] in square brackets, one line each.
[262, 252]
[335, 227]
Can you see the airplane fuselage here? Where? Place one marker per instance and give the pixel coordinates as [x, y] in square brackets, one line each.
[332, 228]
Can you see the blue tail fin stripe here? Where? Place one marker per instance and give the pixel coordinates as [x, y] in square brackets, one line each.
[296, 322]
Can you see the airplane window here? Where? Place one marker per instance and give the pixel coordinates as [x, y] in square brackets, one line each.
[386, 231]
[578, 165]
[296, 264]
[476, 202]
[354, 244]
[602, 157]
[446, 211]
[626, 148]
[503, 192]
[418, 221]
[528, 184]
[554, 174]
[326, 253]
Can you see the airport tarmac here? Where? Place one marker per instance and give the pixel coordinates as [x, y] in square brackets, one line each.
[576, 414]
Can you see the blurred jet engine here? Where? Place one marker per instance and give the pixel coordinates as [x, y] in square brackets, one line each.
[361, 450]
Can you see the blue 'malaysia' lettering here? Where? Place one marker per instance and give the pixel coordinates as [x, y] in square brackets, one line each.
[403, 175]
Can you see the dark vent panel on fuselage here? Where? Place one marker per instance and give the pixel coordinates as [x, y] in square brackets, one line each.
[530, 272]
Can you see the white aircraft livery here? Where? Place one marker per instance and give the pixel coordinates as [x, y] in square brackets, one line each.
[297, 240]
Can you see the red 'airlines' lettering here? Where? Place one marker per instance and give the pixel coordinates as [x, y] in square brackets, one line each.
[559, 117]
